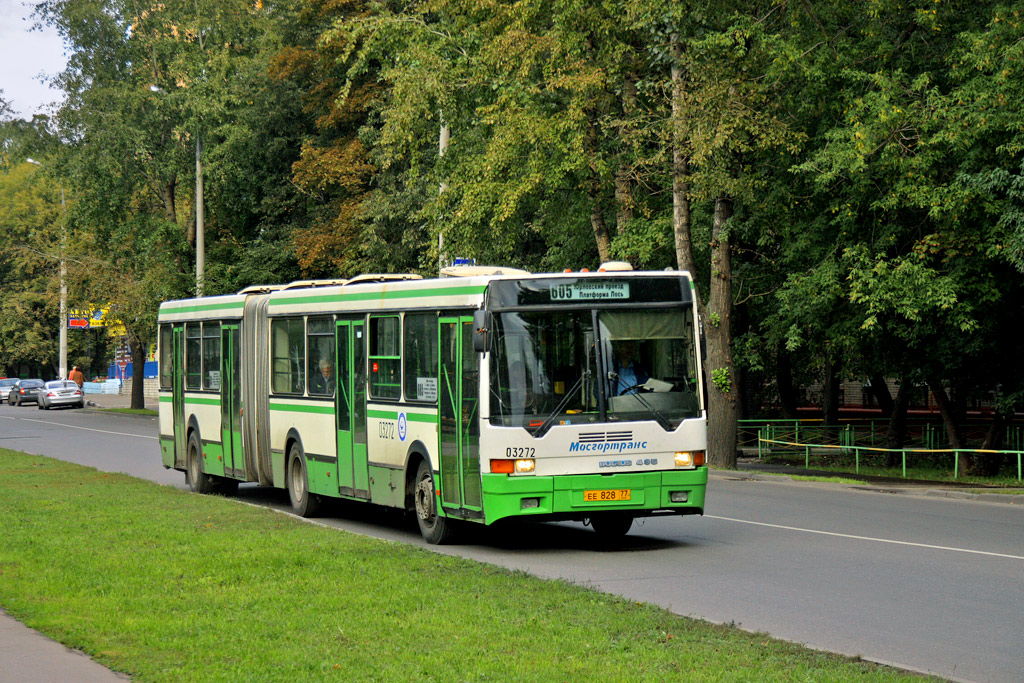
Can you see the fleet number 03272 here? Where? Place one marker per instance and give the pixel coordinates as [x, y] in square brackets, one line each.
[520, 452]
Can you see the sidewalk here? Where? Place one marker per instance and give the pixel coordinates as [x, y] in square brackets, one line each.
[27, 656]
[116, 401]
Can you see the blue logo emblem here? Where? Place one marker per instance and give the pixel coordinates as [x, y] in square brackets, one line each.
[401, 426]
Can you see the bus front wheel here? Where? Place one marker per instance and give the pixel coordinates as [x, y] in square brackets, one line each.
[304, 502]
[435, 529]
[198, 481]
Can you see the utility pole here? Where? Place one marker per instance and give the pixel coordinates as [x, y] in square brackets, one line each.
[442, 147]
[200, 221]
[63, 340]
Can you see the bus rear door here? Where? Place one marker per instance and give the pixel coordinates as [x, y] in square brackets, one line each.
[350, 409]
[459, 413]
[231, 403]
[178, 393]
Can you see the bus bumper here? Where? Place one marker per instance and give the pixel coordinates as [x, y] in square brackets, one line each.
[565, 496]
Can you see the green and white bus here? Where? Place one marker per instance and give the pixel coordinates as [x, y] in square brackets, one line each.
[483, 396]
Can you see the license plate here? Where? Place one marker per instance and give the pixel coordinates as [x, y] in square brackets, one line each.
[602, 495]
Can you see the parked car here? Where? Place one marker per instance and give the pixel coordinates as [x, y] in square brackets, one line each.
[24, 391]
[60, 392]
[5, 387]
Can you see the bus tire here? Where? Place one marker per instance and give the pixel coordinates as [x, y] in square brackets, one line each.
[435, 529]
[198, 480]
[612, 525]
[304, 503]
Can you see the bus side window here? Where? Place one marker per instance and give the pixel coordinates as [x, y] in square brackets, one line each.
[288, 355]
[421, 357]
[193, 356]
[211, 356]
[385, 357]
[166, 349]
[320, 356]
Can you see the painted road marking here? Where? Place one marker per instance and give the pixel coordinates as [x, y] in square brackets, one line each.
[88, 429]
[867, 538]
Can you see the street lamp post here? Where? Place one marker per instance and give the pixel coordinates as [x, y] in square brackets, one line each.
[63, 370]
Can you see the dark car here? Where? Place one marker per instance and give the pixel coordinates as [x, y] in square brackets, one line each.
[60, 392]
[25, 391]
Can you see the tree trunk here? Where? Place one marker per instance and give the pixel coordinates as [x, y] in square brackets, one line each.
[597, 221]
[623, 182]
[895, 435]
[830, 400]
[881, 392]
[167, 196]
[948, 412]
[722, 387]
[788, 396]
[680, 173]
[989, 464]
[138, 350]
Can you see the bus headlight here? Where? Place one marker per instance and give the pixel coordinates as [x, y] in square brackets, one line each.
[525, 466]
[689, 459]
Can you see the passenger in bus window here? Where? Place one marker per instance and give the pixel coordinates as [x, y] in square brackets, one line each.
[323, 384]
[629, 373]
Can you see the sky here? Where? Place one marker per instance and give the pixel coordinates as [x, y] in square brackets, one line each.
[24, 55]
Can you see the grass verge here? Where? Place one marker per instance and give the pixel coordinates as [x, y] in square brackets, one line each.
[132, 411]
[165, 585]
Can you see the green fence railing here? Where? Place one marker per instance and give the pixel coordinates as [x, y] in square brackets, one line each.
[767, 436]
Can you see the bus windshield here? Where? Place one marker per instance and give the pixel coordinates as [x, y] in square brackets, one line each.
[551, 367]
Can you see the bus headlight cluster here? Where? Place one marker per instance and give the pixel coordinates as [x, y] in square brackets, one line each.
[517, 466]
[689, 459]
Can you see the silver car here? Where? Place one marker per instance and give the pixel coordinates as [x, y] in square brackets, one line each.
[5, 387]
[60, 392]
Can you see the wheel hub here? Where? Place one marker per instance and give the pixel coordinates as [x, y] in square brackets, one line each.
[424, 492]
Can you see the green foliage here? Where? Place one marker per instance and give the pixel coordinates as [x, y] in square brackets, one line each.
[872, 156]
[720, 377]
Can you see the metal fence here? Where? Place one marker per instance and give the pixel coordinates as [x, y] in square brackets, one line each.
[858, 440]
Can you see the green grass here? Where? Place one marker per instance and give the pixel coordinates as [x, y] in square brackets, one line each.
[131, 411]
[169, 586]
[827, 480]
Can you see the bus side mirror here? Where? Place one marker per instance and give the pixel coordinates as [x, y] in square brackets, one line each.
[480, 322]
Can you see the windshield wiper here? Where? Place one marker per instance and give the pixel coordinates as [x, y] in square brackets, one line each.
[662, 420]
[546, 425]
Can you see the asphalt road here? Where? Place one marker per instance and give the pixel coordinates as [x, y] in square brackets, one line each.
[929, 584]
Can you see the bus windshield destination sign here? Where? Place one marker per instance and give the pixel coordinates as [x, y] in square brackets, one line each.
[589, 291]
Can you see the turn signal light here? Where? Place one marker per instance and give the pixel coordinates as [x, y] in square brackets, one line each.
[502, 467]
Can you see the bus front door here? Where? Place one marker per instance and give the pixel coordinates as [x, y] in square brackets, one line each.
[459, 413]
[231, 403]
[178, 393]
[350, 409]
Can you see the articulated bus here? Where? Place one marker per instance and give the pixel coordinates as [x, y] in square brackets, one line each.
[487, 395]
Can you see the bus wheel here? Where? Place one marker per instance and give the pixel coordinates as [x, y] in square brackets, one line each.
[304, 503]
[612, 525]
[198, 481]
[435, 529]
